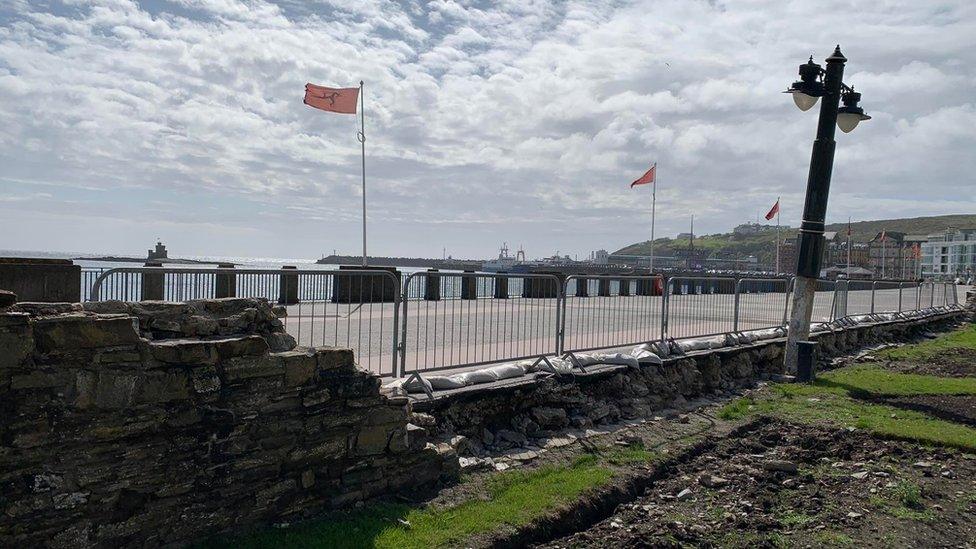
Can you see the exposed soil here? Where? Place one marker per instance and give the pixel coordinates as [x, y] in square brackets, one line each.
[786, 484]
[958, 362]
[957, 408]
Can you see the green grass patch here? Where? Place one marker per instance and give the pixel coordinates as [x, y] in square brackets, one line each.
[631, 455]
[873, 380]
[831, 400]
[737, 409]
[903, 501]
[960, 339]
[514, 498]
[834, 539]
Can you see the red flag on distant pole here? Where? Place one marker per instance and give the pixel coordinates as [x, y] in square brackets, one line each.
[340, 100]
[773, 211]
[648, 177]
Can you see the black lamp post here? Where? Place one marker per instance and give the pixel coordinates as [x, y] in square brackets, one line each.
[816, 83]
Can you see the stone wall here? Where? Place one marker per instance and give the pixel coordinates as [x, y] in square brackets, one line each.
[523, 411]
[109, 438]
[37, 279]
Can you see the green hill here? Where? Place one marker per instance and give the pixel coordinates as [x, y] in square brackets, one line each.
[763, 245]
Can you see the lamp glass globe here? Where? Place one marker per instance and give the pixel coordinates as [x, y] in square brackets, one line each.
[847, 121]
[803, 101]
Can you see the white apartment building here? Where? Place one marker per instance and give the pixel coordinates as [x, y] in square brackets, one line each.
[949, 253]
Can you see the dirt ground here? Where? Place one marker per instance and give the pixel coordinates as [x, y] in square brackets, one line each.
[789, 485]
[959, 362]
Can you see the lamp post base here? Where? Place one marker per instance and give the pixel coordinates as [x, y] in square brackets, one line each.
[804, 291]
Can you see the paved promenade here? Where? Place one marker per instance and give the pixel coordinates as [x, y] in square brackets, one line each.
[448, 333]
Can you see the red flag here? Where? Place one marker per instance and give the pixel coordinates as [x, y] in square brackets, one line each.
[773, 211]
[648, 177]
[340, 100]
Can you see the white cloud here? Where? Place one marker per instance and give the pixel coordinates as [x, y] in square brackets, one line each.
[490, 118]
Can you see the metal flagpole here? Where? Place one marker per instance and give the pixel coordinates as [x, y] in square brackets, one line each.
[362, 141]
[653, 207]
[778, 208]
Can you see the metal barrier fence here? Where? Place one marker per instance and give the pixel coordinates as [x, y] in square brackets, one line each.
[699, 306]
[607, 311]
[88, 276]
[453, 320]
[358, 309]
[465, 319]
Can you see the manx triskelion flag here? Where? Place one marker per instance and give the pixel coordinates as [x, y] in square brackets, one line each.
[340, 100]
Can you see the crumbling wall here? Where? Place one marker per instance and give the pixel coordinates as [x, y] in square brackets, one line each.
[108, 438]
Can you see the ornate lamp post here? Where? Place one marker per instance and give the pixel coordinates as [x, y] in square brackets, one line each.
[816, 83]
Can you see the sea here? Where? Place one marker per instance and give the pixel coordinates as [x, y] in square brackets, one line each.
[86, 260]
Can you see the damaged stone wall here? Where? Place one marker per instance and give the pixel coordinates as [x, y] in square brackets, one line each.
[151, 423]
[526, 412]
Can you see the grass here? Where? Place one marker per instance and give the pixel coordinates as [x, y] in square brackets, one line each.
[873, 380]
[737, 409]
[838, 397]
[903, 501]
[960, 339]
[631, 455]
[515, 498]
[834, 539]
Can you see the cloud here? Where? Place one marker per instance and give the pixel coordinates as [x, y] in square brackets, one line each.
[518, 120]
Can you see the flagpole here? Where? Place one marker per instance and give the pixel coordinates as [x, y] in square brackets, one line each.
[362, 142]
[778, 208]
[653, 208]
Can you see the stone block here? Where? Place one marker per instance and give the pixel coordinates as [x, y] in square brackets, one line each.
[34, 279]
[373, 439]
[79, 331]
[242, 368]
[118, 390]
[335, 358]
[240, 346]
[300, 366]
[16, 339]
[183, 351]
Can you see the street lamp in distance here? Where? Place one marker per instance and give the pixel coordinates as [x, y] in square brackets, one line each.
[816, 83]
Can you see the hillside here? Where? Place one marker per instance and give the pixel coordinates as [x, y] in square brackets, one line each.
[763, 245]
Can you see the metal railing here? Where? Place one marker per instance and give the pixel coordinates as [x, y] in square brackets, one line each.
[465, 319]
[699, 306]
[447, 320]
[358, 309]
[607, 311]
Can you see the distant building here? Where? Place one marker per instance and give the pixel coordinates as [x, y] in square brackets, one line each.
[949, 253]
[158, 253]
[683, 236]
[747, 229]
[601, 257]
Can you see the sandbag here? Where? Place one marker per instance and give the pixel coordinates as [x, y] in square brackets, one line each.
[715, 342]
[507, 371]
[646, 356]
[612, 358]
[441, 383]
[475, 377]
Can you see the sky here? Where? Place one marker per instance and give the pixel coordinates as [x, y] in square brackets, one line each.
[516, 121]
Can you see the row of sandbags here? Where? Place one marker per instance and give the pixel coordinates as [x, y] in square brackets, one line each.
[567, 365]
[644, 354]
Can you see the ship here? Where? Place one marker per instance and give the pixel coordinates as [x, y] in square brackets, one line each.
[504, 262]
